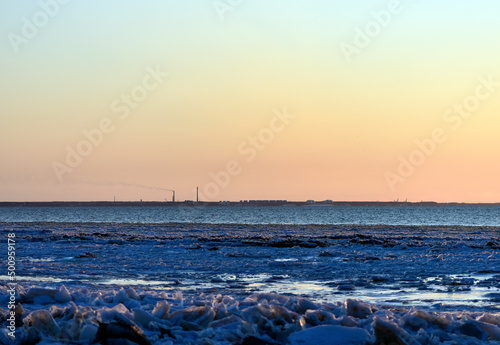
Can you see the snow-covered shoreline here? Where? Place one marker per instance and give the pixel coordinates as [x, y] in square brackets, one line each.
[80, 315]
[419, 284]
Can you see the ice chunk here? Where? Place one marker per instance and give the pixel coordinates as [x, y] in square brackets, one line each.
[473, 330]
[143, 318]
[489, 318]
[388, 332]
[131, 303]
[63, 295]
[317, 317]
[415, 323]
[119, 313]
[132, 294]
[280, 312]
[36, 292]
[43, 300]
[256, 313]
[161, 310]
[88, 333]
[226, 321]
[42, 321]
[57, 311]
[76, 326]
[201, 316]
[493, 331]
[121, 297]
[122, 333]
[327, 335]
[348, 321]
[357, 308]
[422, 314]
[303, 304]
[443, 320]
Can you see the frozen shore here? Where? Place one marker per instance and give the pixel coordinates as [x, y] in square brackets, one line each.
[254, 284]
[129, 316]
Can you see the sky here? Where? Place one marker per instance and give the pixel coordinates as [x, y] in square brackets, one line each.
[284, 99]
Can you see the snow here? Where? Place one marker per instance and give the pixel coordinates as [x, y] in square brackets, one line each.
[330, 335]
[259, 318]
[165, 284]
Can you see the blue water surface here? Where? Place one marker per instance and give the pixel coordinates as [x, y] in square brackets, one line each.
[362, 215]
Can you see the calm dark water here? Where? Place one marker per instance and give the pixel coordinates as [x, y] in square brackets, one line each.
[369, 215]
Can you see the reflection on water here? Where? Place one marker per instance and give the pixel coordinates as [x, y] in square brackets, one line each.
[121, 281]
[41, 260]
[434, 296]
[37, 279]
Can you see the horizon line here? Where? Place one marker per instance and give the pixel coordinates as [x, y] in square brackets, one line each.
[250, 201]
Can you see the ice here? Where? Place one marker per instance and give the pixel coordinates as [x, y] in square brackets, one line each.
[346, 287]
[489, 318]
[144, 319]
[258, 318]
[303, 304]
[5, 339]
[35, 292]
[249, 260]
[472, 329]
[63, 295]
[88, 333]
[42, 321]
[132, 294]
[358, 309]
[161, 310]
[388, 332]
[493, 331]
[264, 284]
[328, 335]
[121, 297]
[118, 313]
[122, 333]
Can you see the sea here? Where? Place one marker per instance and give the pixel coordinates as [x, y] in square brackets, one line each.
[462, 215]
[443, 265]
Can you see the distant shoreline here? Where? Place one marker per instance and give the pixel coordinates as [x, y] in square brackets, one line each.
[245, 203]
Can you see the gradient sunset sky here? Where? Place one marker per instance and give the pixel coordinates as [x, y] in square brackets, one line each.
[385, 100]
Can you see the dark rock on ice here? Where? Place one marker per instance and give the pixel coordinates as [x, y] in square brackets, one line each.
[116, 241]
[296, 243]
[492, 244]
[86, 255]
[371, 258]
[379, 279]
